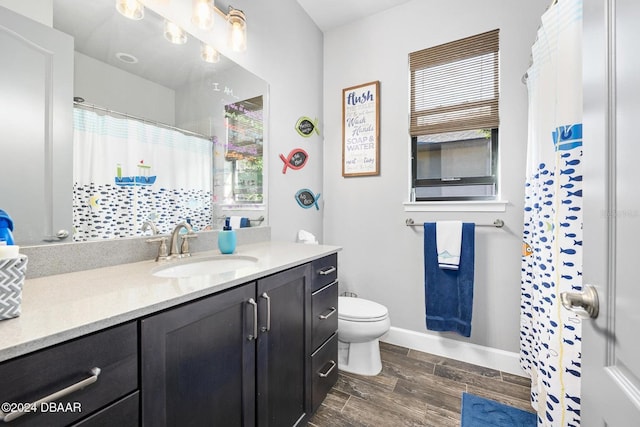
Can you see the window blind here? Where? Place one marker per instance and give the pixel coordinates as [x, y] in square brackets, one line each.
[454, 86]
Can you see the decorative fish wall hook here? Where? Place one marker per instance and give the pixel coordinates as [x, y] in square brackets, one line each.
[306, 199]
[296, 160]
[305, 126]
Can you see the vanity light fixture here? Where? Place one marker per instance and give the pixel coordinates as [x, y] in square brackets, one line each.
[237, 36]
[174, 33]
[209, 54]
[132, 9]
[202, 16]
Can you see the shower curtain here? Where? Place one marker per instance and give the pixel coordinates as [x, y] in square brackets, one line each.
[126, 172]
[550, 336]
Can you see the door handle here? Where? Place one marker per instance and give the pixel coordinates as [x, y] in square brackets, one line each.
[585, 303]
[253, 303]
[7, 417]
[268, 327]
[326, 373]
[327, 271]
[329, 312]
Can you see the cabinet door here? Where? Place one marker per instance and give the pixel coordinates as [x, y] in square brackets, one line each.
[198, 363]
[283, 343]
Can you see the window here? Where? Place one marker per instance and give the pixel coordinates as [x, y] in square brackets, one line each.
[243, 153]
[454, 119]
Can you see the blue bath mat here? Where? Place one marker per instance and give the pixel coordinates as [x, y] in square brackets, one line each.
[480, 412]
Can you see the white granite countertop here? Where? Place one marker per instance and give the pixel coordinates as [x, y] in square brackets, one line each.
[65, 306]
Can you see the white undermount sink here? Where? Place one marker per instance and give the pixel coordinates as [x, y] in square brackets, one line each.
[204, 266]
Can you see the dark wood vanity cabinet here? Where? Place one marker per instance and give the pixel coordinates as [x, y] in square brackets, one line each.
[261, 354]
[83, 378]
[198, 363]
[237, 358]
[324, 328]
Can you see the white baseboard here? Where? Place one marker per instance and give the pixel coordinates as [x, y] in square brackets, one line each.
[501, 360]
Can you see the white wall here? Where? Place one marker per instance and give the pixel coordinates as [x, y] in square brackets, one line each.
[382, 258]
[38, 10]
[101, 84]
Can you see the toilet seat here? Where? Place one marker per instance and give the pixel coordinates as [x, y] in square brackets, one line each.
[361, 310]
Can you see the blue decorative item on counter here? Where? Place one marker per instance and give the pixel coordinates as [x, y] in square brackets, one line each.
[6, 226]
[227, 238]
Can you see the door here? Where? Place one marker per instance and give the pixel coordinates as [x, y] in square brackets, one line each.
[36, 128]
[611, 348]
[283, 342]
[198, 362]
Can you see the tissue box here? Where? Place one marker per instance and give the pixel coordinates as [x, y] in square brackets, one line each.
[12, 273]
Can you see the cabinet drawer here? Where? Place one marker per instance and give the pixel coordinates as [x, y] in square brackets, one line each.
[324, 312]
[70, 366]
[324, 271]
[123, 413]
[324, 365]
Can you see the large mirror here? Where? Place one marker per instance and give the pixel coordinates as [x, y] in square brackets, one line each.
[161, 132]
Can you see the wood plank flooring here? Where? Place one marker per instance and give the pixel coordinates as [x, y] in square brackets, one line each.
[415, 389]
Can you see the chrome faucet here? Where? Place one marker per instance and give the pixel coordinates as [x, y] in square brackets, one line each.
[163, 251]
[183, 251]
[148, 224]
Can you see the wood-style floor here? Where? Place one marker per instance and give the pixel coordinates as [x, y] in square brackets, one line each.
[415, 389]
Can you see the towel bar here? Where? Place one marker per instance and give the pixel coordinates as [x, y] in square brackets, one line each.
[498, 223]
[259, 219]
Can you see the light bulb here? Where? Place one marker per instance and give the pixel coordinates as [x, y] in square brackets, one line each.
[209, 54]
[203, 14]
[132, 9]
[237, 30]
[174, 33]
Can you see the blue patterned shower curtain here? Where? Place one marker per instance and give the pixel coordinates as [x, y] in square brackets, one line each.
[126, 172]
[550, 336]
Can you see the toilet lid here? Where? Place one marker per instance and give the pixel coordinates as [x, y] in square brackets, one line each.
[360, 310]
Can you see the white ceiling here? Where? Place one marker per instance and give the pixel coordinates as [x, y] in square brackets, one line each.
[328, 14]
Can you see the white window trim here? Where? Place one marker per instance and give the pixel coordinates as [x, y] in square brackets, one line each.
[457, 206]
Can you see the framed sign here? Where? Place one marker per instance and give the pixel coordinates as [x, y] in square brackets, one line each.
[360, 130]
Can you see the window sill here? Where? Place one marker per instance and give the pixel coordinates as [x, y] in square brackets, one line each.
[462, 206]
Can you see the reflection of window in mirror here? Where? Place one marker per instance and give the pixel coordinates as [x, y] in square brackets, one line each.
[242, 184]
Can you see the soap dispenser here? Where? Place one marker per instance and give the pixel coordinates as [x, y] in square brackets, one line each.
[227, 238]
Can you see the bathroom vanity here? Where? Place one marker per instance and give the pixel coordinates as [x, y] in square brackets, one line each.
[256, 346]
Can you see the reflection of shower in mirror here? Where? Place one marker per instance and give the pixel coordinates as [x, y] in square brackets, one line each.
[168, 84]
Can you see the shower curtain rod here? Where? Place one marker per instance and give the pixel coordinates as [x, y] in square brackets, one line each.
[82, 104]
[498, 223]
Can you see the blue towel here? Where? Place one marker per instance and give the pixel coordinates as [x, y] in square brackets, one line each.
[449, 293]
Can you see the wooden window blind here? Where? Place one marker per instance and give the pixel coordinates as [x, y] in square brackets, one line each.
[454, 86]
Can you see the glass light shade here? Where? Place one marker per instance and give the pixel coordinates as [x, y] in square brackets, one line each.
[202, 14]
[174, 33]
[209, 54]
[132, 9]
[237, 30]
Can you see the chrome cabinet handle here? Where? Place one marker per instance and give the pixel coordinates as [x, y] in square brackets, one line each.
[95, 372]
[330, 313]
[327, 271]
[584, 303]
[326, 373]
[255, 319]
[268, 327]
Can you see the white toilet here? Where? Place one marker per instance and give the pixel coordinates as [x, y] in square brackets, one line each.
[360, 323]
